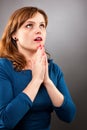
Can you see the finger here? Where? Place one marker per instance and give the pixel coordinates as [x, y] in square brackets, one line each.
[46, 60]
[40, 52]
[43, 60]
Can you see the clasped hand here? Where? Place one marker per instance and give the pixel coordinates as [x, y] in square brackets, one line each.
[40, 66]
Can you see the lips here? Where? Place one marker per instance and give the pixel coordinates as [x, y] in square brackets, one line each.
[38, 39]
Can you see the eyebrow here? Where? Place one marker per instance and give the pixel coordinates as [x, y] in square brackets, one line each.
[33, 22]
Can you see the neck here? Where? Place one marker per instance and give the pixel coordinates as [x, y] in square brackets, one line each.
[30, 57]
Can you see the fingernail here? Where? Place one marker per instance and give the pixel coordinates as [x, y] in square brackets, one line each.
[39, 46]
[43, 54]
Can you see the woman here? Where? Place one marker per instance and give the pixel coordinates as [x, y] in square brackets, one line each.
[31, 85]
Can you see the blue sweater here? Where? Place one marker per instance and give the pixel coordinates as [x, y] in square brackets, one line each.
[18, 112]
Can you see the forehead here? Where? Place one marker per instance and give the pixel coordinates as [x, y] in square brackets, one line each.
[36, 18]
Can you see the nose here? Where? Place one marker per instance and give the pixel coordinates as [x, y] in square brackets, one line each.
[38, 30]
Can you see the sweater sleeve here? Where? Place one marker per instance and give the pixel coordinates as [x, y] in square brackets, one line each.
[12, 109]
[67, 111]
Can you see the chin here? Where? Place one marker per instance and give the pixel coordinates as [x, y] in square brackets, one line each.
[34, 50]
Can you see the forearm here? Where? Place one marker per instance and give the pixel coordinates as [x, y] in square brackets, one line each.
[15, 110]
[55, 95]
[63, 103]
[32, 89]
[19, 106]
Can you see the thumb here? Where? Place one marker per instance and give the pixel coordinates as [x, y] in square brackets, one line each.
[43, 60]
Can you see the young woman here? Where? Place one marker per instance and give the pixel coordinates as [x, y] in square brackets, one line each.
[31, 85]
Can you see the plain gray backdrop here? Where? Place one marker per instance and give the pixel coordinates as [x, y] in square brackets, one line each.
[67, 44]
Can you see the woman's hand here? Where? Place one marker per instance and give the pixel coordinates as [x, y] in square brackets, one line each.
[46, 76]
[38, 65]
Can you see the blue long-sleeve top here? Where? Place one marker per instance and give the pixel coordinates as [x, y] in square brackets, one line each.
[18, 112]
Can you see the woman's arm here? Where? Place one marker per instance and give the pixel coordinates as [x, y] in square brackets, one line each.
[54, 93]
[12, 109]
[59, 94]
[61, 99]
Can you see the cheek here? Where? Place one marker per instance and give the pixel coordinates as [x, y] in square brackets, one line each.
[44, 34]
[22, 37]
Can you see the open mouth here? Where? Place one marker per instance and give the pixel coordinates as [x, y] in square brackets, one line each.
[38, 39]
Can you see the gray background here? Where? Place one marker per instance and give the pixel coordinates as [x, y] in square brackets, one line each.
[67, 43]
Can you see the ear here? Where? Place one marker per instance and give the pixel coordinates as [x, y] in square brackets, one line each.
[14, 36]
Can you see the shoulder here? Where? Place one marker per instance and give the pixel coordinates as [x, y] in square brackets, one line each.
[54, 66]
[4, 62]
[55, 70]
[5, 65]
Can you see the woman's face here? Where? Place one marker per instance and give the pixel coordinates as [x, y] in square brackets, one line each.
[31, 34]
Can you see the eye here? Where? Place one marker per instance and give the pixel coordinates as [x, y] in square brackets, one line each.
[29, 25]
[42, 26]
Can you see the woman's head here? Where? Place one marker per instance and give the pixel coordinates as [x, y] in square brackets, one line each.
[18, 18]
[21, 15]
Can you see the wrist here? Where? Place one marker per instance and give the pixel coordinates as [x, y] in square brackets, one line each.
[37, 81]
[47, 82]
